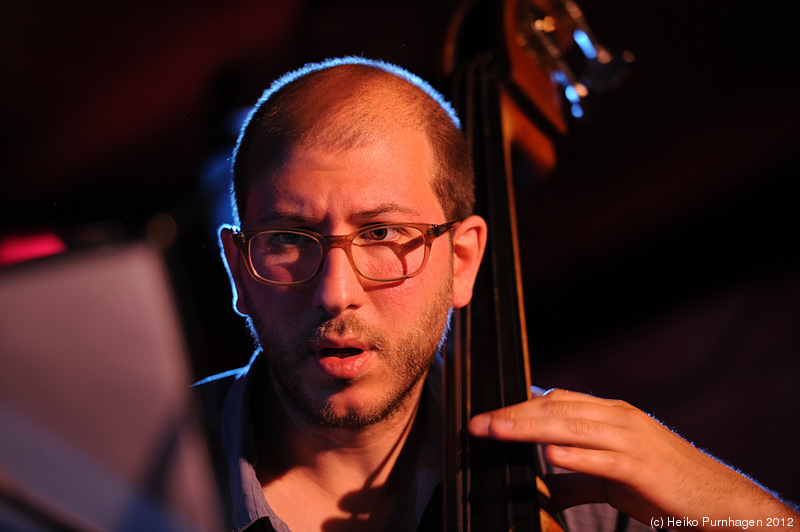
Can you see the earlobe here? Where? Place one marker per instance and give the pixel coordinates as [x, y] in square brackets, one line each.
[469, 243]
[232, 259]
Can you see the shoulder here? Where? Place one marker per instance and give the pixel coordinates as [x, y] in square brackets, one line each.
[212, 391]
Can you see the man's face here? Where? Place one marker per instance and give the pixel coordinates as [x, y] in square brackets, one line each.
[345, 351]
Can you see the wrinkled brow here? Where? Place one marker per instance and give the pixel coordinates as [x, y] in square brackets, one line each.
[367, 215]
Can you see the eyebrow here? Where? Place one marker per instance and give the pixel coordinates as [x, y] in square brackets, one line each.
[358, 217]
[383, 209]
[284, 217]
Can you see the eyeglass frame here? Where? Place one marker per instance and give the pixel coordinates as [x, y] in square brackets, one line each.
[430, 232]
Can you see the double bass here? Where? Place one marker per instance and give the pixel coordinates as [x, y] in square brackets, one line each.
[514, 84]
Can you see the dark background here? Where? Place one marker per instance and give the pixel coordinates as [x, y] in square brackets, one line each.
[661, 258]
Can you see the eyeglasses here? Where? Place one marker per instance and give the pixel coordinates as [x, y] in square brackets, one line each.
[378, 252]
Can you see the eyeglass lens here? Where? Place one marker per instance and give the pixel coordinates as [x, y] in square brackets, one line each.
[382, 254]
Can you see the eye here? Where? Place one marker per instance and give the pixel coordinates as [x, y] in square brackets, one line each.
[385, 233]
[286, 239]
[376, 233]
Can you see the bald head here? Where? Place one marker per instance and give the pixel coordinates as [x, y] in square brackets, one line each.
[345, 105]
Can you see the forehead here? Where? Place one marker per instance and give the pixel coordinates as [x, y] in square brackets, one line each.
[388, 176]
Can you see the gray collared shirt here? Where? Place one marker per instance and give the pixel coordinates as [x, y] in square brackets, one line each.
[226, 404]
[225, 400]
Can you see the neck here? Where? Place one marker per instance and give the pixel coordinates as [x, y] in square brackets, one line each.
[336, 459]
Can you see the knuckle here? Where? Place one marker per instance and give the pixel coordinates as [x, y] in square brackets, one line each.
[561, 408]
[529, 425]
[555, 393]
[622, 405]
[579, 427]
[623, 409]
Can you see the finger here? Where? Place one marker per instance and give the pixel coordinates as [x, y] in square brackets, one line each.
[557, 403]
[576, 423]
[611, 465]
[549, 403]
[554, 395]
[547, 430]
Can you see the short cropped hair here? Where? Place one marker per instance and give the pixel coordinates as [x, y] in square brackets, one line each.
[332, 105]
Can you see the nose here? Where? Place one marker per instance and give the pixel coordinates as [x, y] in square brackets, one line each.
[338, 286]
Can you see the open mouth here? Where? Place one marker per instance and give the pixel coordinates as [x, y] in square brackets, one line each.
[344, 359]
[340, 352]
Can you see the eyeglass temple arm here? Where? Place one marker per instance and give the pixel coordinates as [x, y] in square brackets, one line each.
[439, 230]
[238, 238]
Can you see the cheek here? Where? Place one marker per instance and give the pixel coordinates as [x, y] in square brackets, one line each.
[397, 299]
[273, 304]
[409, 298]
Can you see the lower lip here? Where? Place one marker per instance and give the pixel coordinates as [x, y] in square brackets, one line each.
[344, 368]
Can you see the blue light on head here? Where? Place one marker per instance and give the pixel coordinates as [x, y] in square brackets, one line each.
[329, 63]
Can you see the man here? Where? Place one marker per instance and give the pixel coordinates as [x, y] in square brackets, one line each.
[335, 423]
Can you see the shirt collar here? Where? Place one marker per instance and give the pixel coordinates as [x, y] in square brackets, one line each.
[249, 504]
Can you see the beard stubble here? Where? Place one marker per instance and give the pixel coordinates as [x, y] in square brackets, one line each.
[406, 359]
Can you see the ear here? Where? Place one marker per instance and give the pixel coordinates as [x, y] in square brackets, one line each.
[469, 243]
[237, 269]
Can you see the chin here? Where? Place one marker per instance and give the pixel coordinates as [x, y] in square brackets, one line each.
[352, 409]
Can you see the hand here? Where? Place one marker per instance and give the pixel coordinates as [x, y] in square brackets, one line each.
[630, 460]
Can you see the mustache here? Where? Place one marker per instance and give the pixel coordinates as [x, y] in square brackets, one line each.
[349, 326]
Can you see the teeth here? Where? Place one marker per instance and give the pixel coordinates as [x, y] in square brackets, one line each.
[340, 352]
